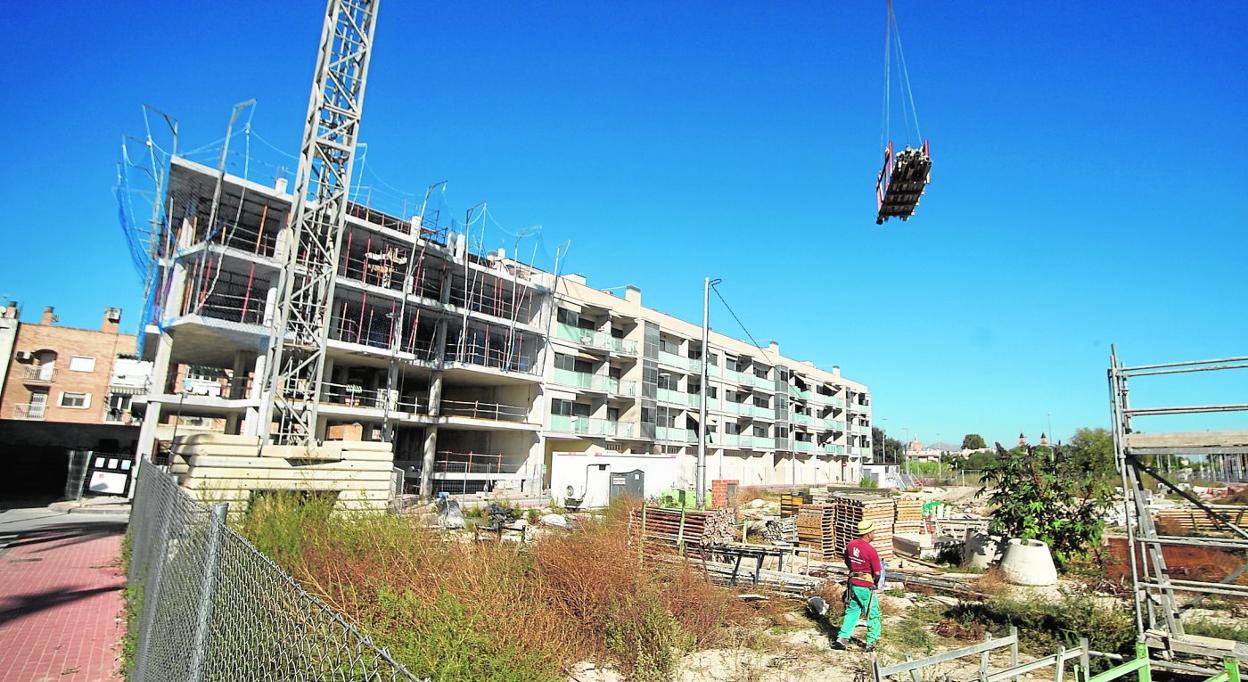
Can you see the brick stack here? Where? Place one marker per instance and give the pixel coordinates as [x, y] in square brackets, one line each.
[724, 494]
[790, 502]
[816, 528]
[853, 509]
[909, 517]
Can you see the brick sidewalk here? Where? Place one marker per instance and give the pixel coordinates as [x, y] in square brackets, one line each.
[61, 604]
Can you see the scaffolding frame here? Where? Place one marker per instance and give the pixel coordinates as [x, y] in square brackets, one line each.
[1157, 605]
[318, 220]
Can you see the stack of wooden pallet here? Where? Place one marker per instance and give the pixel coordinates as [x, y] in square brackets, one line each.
[684, 530]
[909, 517]
[820, 495]
[789, 503]
[816, 528]
[854, 509]
[1191, 520]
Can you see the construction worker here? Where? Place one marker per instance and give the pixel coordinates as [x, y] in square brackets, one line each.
[866, 575]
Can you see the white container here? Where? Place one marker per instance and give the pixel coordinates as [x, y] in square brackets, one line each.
[1028, 562]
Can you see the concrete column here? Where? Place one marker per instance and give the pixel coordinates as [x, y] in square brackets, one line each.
[238, 387]
[392, 380]
[251, 423]
[160, 378]
[426, 466]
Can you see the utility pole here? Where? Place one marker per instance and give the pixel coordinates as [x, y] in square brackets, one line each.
[700, 477]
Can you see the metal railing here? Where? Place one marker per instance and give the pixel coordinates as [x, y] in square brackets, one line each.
[30, 411]
[42, 374]
[212, 607]
[483, 410]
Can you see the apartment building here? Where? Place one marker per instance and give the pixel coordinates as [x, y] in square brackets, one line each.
[627, 379]
[476, 368]
[64, 388]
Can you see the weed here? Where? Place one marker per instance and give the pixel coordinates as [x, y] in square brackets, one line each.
[911, 635]
[1211, 628]
[1046, 625]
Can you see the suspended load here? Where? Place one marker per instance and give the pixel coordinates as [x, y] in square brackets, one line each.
[905, 174]
[901, 182]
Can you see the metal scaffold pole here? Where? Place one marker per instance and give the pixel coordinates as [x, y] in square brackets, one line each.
[318, 219]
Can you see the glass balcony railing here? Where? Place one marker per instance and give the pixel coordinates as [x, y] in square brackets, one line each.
[803, 446]
[799, 392]
[589, 426]
[860, 429]
[763, 382]
[833, 449]
[834, 424]
[799, 418]
[594, 382]
[859, 409]
[764, 412]
[727, 440]
[594, 339]
[672, 433]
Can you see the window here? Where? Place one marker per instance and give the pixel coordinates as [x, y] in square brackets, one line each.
[567, 362]
[713, 360]
[714, 392]
[669, 346]
[760, 431]
[81, 363]
[668, 381]
[75, 400]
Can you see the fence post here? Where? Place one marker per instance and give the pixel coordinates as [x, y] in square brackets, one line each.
[152, 582]
[1014, 652]
[208, 590]
[1232, 669]
[1145, 673]
[983, 658]
[1085, 659]
[1061, 664]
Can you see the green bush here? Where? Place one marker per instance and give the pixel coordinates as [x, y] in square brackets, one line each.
[1211, 628]
[1046, 625]
[645, 638]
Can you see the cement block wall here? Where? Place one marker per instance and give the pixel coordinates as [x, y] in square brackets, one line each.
[222, 468]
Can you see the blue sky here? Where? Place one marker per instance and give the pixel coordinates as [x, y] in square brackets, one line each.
[1088, 183]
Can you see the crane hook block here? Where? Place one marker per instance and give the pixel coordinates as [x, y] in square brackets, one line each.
[901, 182]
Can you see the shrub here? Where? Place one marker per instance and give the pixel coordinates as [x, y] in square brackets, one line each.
[1046, 625]
[451, 610]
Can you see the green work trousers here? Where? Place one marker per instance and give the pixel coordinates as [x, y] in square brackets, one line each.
[855, 603]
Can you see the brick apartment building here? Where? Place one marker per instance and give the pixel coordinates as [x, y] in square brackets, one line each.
[63, 388]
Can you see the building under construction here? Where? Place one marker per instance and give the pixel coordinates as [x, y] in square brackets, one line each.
[475, 367]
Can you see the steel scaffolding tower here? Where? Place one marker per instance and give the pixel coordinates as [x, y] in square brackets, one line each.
[1158, 605]
[322, 183]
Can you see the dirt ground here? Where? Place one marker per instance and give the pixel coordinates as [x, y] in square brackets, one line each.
[799, 650]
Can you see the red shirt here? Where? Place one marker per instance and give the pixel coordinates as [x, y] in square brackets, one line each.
[861, 557]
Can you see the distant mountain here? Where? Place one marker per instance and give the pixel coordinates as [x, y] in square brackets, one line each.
[944, 447]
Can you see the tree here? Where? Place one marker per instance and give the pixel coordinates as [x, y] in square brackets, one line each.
[1056, 495]
[885, 449]
[973, 441]
[1093, 450]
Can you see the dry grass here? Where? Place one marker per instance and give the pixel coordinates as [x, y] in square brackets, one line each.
[453, 609]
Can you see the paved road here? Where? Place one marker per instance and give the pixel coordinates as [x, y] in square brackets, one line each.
[60, 595]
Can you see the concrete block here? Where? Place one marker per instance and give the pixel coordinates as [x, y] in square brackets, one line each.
[1028, 562]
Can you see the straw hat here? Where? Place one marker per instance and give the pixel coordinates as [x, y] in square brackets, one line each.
[865, 527]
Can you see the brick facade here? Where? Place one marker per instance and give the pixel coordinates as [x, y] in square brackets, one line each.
[47, 341]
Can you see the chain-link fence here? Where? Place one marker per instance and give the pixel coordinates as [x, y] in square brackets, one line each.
[214, 608]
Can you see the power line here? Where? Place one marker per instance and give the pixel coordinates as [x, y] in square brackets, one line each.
[741, 324]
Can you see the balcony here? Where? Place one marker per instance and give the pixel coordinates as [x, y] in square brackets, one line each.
[799, 392]
[860, 429]
[833, 449]
[475, 409]
[590, 382]
[858, 408]
[834, 424]
[33, 412]
[758, 442]
[595, 339]
[763, 412]
[803, 446]
[800, 418]
[762, 382]
[679, 435]
[38, 375]
[684, 363]
[727, 440]
[678, 397]
[589, 426]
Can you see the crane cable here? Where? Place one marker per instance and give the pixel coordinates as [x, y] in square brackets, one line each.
[891, 30]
